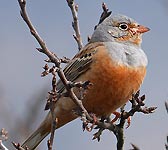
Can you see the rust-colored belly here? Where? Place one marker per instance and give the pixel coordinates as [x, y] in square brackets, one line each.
[113, 84]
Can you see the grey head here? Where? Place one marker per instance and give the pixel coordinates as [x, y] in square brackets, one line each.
[119, 28]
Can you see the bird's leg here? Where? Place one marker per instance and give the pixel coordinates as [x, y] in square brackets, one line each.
[117, 116]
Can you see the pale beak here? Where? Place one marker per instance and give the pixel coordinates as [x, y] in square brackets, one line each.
[142, 29]
[139, 29]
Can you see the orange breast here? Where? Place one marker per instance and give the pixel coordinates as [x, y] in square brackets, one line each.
[113, 84]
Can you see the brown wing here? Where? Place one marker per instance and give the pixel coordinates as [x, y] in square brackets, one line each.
[79, 64]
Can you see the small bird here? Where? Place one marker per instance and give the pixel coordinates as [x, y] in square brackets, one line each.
[113, 62]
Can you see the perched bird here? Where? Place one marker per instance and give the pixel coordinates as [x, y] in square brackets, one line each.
[113, 62]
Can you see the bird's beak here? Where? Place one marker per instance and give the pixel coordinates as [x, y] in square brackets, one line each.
[142, 29]
[139, 29]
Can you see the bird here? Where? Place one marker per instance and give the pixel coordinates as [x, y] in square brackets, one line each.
[113, 61]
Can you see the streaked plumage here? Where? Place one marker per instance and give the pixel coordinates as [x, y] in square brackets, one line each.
[114, 63]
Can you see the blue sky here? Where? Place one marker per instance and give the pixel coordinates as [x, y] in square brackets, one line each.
[21, 65]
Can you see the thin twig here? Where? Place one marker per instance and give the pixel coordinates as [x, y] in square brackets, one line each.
[134, 147]
[3, 137]
[75, 23]
[104, 14]
[3, 134]
[2, 146]
[54, 121]
[54, 59]
[53, 99]
[33, 31]
[137, 106]
[18, 146]
[117, 129]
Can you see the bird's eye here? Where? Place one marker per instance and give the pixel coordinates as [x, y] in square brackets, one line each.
[123, 26]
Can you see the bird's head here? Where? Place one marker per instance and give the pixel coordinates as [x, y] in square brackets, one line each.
[119, 28]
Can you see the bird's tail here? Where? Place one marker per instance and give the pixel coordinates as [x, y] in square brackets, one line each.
[34, 140]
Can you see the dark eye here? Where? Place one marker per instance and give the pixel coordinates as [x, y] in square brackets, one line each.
[123, 26]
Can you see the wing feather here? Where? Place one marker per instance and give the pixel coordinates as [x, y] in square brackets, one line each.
[78, 65]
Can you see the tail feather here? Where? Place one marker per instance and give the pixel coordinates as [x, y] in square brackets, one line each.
[34, 140]
[37, 136]
[64, 116]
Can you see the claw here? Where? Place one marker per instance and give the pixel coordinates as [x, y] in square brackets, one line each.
[117, 116]
[128, 122]
[86, 124]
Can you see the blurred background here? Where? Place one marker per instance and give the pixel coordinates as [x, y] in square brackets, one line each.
[23, 92]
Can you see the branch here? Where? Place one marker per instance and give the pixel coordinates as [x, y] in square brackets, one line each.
[3, 134]
[2, 147]
[104, 14]
[51, 101]
[33, 31]
[103, 123]
[3, 137]
[134, 147]
[54, 59]
[18, 146]
[138, 105]
[75, 23]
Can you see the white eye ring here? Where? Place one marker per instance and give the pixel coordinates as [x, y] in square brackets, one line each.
[123, 26]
